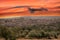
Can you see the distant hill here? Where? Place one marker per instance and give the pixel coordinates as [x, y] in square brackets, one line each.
[29, 20]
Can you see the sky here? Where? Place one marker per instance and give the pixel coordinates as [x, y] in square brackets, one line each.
[4, 4]
[47, 3]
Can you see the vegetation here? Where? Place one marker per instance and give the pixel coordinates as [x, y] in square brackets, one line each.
[39, 30]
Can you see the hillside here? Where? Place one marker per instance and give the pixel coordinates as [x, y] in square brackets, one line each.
[29, 20]
[30, 27]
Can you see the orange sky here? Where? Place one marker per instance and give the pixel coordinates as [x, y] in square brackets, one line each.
[35, 3]
[47, 3]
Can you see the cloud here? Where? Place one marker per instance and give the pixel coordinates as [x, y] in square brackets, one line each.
[20, 6]
[57, 7]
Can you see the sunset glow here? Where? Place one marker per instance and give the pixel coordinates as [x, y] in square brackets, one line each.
[50, 4]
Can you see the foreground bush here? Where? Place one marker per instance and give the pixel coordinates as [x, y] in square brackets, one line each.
[9, 32]
[48, 31]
